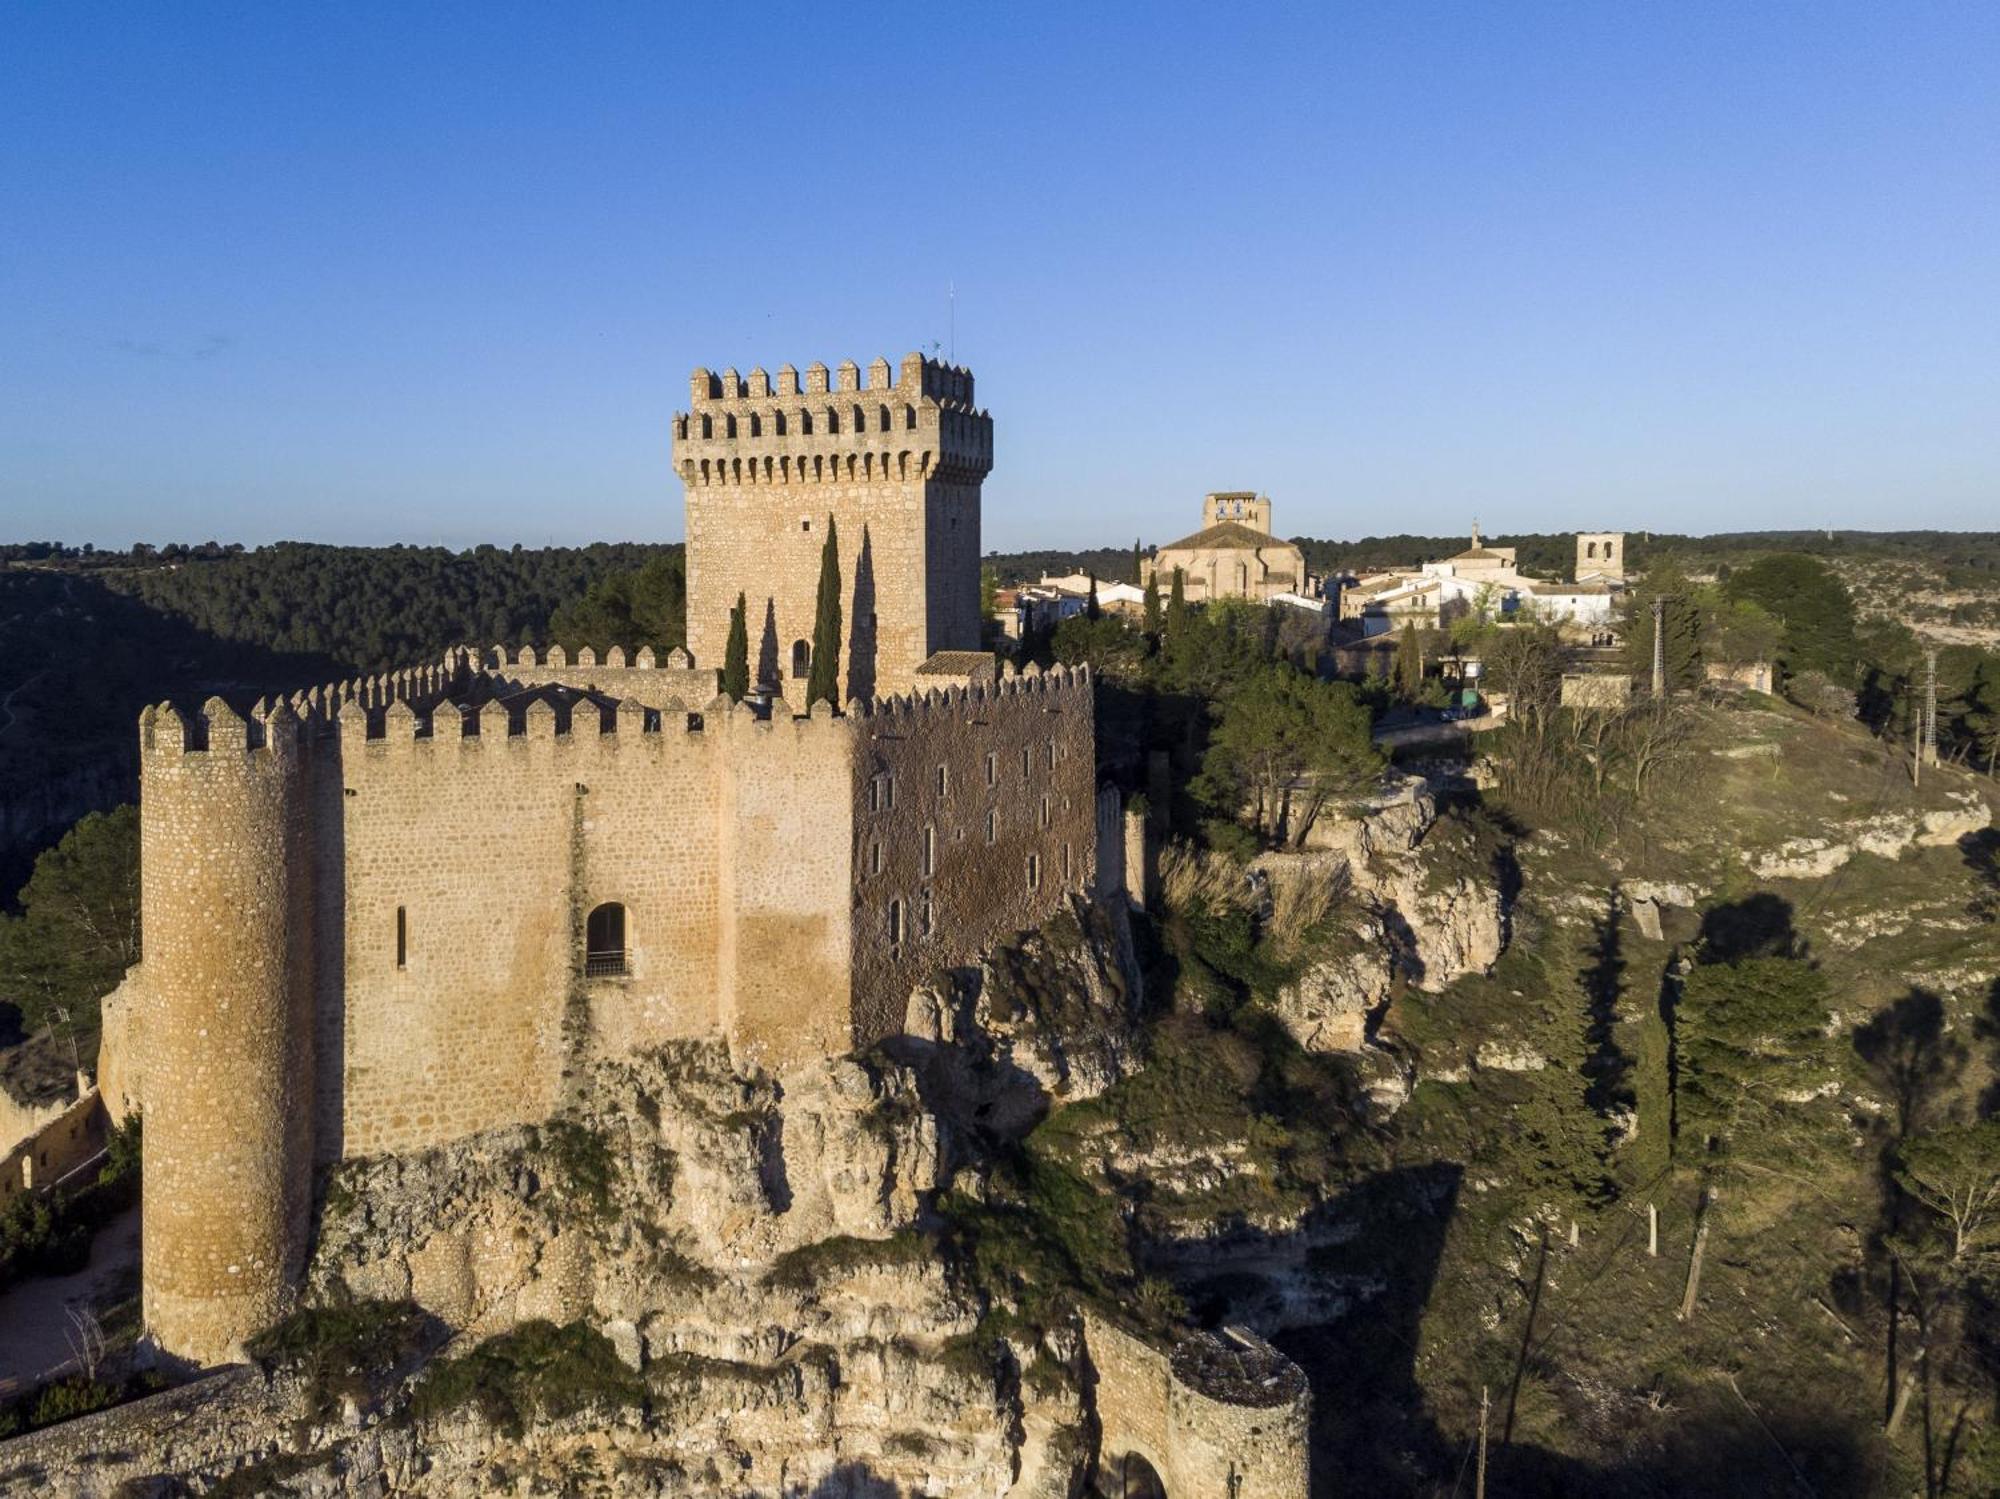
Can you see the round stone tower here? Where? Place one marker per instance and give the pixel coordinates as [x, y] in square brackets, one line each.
[226, 886]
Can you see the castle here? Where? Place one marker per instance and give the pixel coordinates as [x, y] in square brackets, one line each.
[387, 914]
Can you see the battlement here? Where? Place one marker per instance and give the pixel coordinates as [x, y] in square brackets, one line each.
[478, 705]
[918, 378]
[922, 424]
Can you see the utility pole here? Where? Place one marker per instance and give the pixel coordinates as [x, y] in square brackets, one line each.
[1479, 1482]
[1930, 706]
[1659, 648]
[1916, 740]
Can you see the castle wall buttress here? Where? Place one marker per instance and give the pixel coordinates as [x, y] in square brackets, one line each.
[226, 884]
[787, 960]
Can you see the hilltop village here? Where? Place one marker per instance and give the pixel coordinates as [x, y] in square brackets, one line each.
[899, 1030]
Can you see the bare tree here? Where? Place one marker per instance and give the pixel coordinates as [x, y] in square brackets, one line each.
[85, 1336]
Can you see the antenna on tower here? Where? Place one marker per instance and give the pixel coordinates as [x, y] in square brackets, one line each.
[951, 292]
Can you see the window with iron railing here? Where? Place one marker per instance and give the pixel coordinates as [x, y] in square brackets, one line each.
[604, 953]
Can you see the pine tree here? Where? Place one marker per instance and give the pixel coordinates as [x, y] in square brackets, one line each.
[736, 653]
[1092, 610]
[1409, 664]
[824, 680]
[1177, 605]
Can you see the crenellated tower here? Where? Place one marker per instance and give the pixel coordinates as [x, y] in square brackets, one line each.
[895, 461]
[226, 878]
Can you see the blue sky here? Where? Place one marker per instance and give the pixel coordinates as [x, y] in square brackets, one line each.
[437, 272]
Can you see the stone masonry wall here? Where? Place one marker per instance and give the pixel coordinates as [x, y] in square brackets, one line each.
[976, 815]
[1246, 1441]
[495, 846]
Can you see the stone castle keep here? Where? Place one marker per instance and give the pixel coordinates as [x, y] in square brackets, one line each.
[388, 914]
[897, 466]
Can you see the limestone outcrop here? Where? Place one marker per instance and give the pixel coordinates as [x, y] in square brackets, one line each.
[1414, 901]
[1046, 1017]
[1888, 835]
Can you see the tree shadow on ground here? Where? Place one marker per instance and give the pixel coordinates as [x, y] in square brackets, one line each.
[1987, 1029]
[1607, 1068]
[1982, 856]
[1911, 1056]
[1757, 926]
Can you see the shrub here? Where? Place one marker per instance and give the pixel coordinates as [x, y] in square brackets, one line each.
[337, 1348]
[537, 1372]
[583, 1164]
[1820, 695]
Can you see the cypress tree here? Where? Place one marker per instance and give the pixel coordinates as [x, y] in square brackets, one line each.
[824, 680]
[736, 653]
[1153, 605]
[1409, 663]
[1176, 605]
[1136, 563]
[1092, 610]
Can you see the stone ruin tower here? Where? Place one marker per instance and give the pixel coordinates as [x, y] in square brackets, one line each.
[895, 463]
[226, 880]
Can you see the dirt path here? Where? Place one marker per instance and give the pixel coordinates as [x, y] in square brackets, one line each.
[33, 1320]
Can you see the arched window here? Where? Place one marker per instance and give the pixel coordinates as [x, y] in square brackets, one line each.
[860, 420]
[708, 426]
[1590, 549]
[806, 423]
[729, 426]
[832, 419]
[802, 658]
[756, 425]
[604, 942]
[885, 419]
[910, 418]
[1137, 1480]
[778, 422]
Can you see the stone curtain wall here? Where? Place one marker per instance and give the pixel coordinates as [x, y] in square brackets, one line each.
[1041, 798]
[897, 464]
[496, 846]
